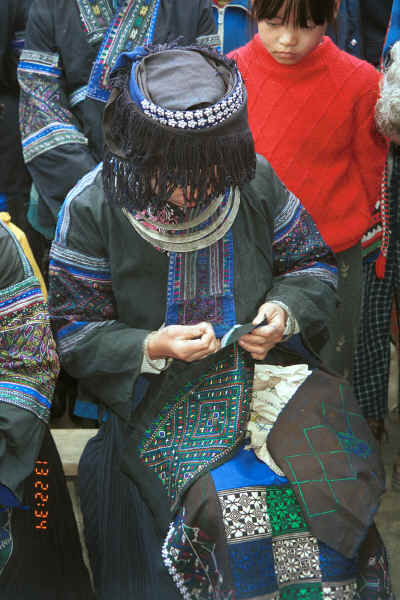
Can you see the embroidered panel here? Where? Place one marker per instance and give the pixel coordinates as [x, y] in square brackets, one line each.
[306, 591]
[200, 426]
[345, 444]
[82, 288]
[28, 359]
[296, 559]
[95, 16]
[132, 25]
[284, 562]
[284, 511]
[245, 514]
[191, 561]
[45, 120]
[295, 233]
[200, 286]
[346, 591]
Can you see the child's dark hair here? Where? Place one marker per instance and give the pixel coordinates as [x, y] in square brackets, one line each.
[318, 11]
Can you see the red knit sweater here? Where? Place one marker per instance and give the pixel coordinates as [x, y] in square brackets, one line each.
[314, 122]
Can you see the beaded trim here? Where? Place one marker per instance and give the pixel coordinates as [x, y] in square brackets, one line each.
[199, 118]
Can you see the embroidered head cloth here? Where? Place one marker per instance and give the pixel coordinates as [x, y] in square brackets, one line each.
[177, 117]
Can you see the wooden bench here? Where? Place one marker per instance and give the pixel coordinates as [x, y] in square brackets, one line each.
[70, 444]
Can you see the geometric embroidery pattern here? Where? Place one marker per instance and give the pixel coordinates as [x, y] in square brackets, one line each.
[285, 514]
[344, 443]
[346, 591]
[245, 514]
[200, 425]
[296, 559]
[28, 359]
[46, 121]
[132, 25]
[306, 591]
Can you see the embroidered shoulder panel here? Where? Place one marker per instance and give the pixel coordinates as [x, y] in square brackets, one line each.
[201, 426]
[95, 16]
[28, 359]
[133, 25]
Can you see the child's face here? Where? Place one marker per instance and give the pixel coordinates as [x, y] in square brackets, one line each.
[287, 43]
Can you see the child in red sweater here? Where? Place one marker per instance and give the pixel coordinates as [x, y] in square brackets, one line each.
[311, 111]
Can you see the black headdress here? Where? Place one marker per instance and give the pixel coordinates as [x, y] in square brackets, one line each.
[177, 117]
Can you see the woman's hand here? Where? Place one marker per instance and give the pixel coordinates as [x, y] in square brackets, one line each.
[260, 341]
[184, 342]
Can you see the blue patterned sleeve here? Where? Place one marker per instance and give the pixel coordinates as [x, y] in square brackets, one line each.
[54, 146]
[299, 249]
[28, 365]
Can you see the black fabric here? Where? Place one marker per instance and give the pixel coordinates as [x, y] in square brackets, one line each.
[327, 451]
[125, 551]
[375, 15]
[46, 563]
[202, 509]
[11, 265]
[14, 14]
[14, 178]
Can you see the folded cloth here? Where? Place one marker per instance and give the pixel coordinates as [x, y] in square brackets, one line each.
[325, 448]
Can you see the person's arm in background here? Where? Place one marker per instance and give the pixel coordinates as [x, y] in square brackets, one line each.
[55, 149]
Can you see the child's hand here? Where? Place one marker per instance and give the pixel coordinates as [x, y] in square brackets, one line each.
[260, 341]
[184, 342]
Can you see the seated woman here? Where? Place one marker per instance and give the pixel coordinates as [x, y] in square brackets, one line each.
[40, 553]
[183, 259]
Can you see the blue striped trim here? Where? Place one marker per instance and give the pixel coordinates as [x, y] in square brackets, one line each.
[18, 298]
[64, 216]
[78, 96]
[68, 329]
[88, 273]
[150, 35]
[26, 390]
[31, 67]
[47, 131]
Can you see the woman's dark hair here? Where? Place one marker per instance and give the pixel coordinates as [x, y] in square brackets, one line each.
[318, 11]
